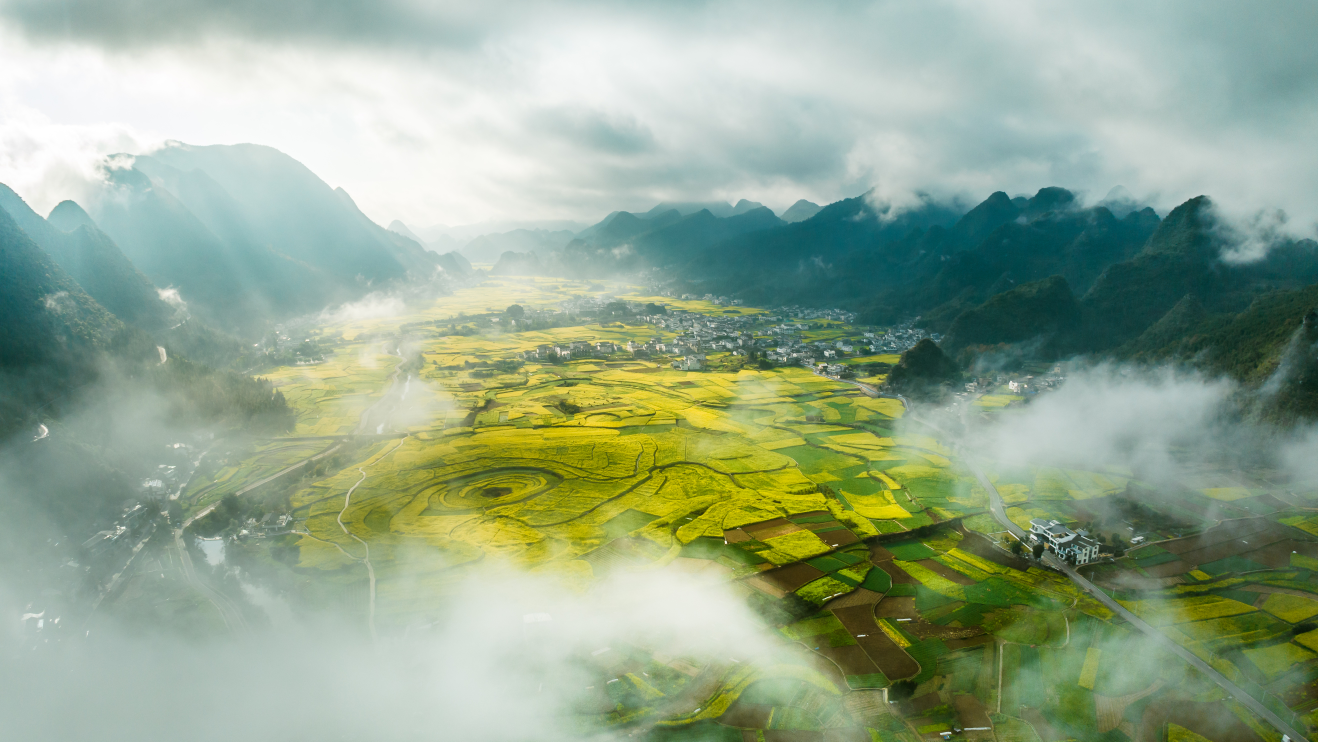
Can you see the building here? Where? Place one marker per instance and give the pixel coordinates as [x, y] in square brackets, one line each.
[1063, 542]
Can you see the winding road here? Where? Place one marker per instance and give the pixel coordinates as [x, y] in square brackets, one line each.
[999, 511]
[370, 569]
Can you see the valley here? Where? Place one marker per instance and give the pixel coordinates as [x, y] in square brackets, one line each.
[862, 537]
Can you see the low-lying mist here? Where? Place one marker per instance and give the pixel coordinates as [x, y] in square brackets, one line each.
[512, 656]
[1158, 422]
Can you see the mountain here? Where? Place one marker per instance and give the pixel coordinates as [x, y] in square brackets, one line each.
[50, 329]
[517, 264]
[686, 208]
[400, 228]
[625, 244]
[1076, 244]
[286, 207]
[745, 205]
[247, 234]
[1043, 311]
[922, 371]
[846, 252]
[800, 211]
[92, 260]
[455, 264]
[1183, 258]
[487, 248]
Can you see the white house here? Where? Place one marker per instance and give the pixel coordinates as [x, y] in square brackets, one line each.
[1063, 541]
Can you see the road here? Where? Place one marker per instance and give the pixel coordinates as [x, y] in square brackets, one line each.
[999, 511]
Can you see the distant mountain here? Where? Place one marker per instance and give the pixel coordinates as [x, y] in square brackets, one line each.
[247, 234]
[800, 211]
[721, 209]
[443, 238]
[487, 248]
[400, 228]
[517, 264]
[625, 244]
[290, 209]
[803, 262]
[92, 260]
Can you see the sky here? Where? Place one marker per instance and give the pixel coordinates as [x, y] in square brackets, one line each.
[453, 113]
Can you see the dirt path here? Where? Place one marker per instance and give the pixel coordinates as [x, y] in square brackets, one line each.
[370, 568]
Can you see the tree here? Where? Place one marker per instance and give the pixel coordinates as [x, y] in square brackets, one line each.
[1017, 548]
[1038, 550]
[901, 690]
[515, 312]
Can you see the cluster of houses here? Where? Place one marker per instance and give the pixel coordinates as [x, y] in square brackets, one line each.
[568, 351]
[1026, 386]
[1076, 548]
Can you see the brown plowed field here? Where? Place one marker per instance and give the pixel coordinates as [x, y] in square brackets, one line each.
[1278, 555]
[746, 715]
[838, 539]
[880, 554]
[852, 659]
[1213, 536]
[1168, 569]
[736, 536]
[755, 529]
[859, 596]
[896, 608]
[792, 576]
[1233, 547]
[980, 546]
[1212, 720]
[898, 576]
[892, 660]
[974, 641]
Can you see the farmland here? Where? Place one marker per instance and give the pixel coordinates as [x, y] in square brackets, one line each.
[850, 530]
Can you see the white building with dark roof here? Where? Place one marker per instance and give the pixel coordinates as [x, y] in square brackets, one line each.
[1063, 541]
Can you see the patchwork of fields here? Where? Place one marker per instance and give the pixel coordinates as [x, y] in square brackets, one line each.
[851, 530]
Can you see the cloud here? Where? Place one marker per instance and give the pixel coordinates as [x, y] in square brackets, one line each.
[451, 113]
[48, 161]
[519, 658]
[171, 297]
[1250, 238]
[1113, 415]
[372, 306]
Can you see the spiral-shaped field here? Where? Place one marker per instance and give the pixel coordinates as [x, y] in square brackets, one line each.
[497, 487]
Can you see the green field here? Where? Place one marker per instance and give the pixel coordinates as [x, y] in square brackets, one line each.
[799, 495]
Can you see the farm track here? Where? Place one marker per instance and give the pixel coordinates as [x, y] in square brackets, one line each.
[366, 559]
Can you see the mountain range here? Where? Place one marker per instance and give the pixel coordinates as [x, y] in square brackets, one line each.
[191, 244]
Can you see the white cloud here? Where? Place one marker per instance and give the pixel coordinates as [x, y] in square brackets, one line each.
[450, 115]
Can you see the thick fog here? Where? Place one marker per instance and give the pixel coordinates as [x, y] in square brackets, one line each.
[510, 659]
[499, 653]
[1159, 423]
